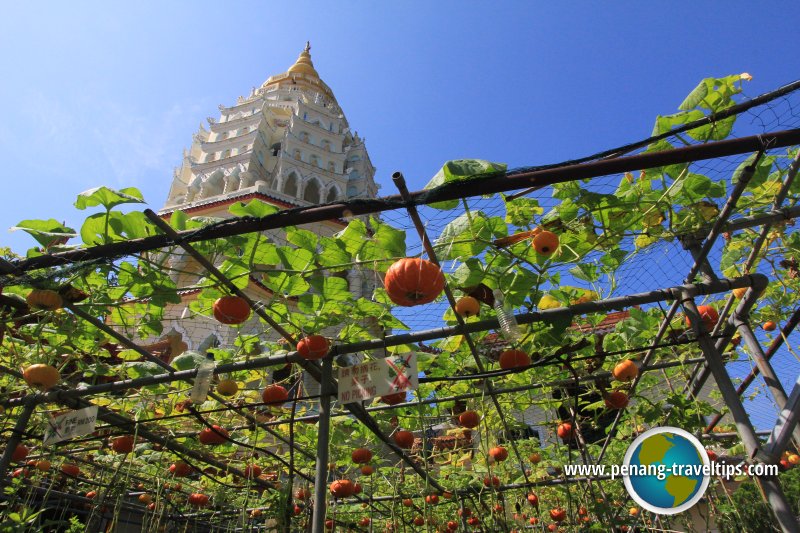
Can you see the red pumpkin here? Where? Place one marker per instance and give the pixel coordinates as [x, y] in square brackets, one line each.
[533, 499]
[514, 359]
[404, 439]
[558, 514]
[70, 470]
[180, 469]
[469, 419]
[566, 431]
[708, 315]
[313, 347]
[213, 435]
[342, 488]
[432, 499]
[616, 400]
[492, 481]
[231, 310]
[123, 444]
[413, 281]
[275, 394]
[498, 453]
[197, 499]
[19, 453]
[361, 455]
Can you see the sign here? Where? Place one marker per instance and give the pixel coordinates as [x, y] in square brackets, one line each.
[396, 373]
[71, 424]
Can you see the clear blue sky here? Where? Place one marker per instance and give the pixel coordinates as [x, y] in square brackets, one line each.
[99, 94]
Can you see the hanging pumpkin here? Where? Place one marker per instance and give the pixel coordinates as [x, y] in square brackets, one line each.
[231, 310]
[413, 281]
[41, 376]
[45, 300]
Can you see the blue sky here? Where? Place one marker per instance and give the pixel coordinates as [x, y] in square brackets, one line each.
[96, 93]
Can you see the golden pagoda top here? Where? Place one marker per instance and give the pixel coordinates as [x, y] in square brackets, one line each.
[301, 73]
[303, 65]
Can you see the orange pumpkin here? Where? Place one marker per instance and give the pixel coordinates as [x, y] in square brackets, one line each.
[275, 394]
[252, 471]
[313, 347]
[413, 281]
[498, 453]
[468, 306]
[514, 359]
[626, 370]
[70, 469]
[361, 455]
[342, 488]
[404, 439]
[566, 431]
[545, 243]
[41, 376]
[19, 453]
[44, 300]
[197, 499]
[616, 400]
[770, 326]
[123, 444]
[394, 399]
[213, 435]
[180, 469]
[708, 315]
[231, 310]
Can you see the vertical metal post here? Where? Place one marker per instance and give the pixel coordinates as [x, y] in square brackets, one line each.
[770, 377]
[323, 437]
[786, 424]
[769, 485]
[16, 436]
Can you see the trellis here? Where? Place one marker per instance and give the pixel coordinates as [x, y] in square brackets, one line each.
[700, 244]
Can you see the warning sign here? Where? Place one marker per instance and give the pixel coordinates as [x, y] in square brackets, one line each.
[393, 374]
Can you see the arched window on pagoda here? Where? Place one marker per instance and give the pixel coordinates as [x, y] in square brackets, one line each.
[311, 193]
[333, 194]
[290, 185]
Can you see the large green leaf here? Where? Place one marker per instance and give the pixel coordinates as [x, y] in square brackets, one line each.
[285, 284]
[254, 208]
[462, 169]
[46, 232]
[468, 235]
[331, 287]
[108, 198]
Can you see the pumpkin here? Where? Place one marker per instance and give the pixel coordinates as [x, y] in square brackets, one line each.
[558, 514]
[275, 394]
[342, 488]
[145, 498]
[197, 499]
[514, 359]
[413, 281]
[313, 347]
[367, 470]
[708, 315]
[70, 469]
[361, 455]
[533, 499]
[404, 439]
[41, 376]
[566, 431]
[44, 300]
[180, 469]
[626, 370]
[468, 306]
[213, 435]
[491, 481]
[123, 444]
[498, 453]
[19, 453]
[231, 310]
[769, 326]
[469, 419]
[545, 243]
[302, 494]
[227, 387]
[616, 400]
[432, 499]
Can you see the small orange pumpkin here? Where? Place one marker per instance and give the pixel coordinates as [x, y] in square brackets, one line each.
[413, 281]
[616, 400]
[545, 243]
[404, 439]
[626, 370]
[468, 306]
[361, 456]
[41, 376]
[197, 499]
[342, 488]
[231, 310]
[275, 394]
[313, 347]
[469, 419]
[514, 359]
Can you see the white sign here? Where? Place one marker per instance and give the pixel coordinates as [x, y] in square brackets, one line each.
[396, 373]
[72, 424]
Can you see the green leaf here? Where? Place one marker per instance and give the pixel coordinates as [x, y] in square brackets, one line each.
[108, 198]
[331, 287]
[469, 273]
[461, 169]
[46, 232]
[695, 97]
[468, 235]
[286, 284]
[302, 239]
[143, 369]
[188, 361]
[521, 211]
[333, 254]
[178, 220]
[255, 208]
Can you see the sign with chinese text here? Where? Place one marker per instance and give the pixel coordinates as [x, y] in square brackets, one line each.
[71, 424]
[396, 373]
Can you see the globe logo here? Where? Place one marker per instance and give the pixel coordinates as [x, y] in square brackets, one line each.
[666, 470]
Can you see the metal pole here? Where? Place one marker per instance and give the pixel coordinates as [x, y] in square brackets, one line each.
[16, 436]
[770, 377]
[770, 486]
[450, 191]
[786, 424]
[323, 437]
[772, 350]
